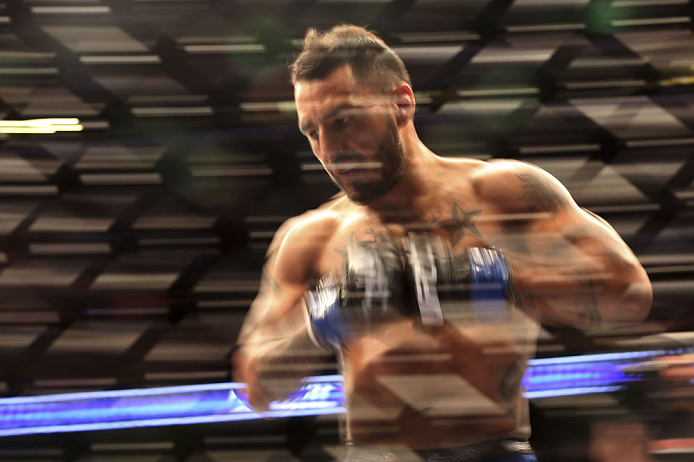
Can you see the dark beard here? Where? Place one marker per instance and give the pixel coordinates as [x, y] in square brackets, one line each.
[392, 155]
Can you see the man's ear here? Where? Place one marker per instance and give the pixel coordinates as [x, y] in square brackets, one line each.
[403, 98]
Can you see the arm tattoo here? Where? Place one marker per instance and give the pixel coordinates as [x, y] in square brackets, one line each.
[539, 195]
[512, 378]
[269, 283]
[525, 300]
[589, 314]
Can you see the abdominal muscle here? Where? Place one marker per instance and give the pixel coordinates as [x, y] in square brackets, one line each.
[440, 388]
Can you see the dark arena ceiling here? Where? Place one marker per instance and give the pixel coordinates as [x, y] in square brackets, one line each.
[131, 250]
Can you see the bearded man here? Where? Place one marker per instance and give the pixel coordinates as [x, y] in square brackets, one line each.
[429, 277]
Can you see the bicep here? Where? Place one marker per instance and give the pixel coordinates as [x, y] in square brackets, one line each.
[276, 314]
[593, 237]
[536, 213]
[279, 295]
[542, 218]
[273, 313]
[577, 268]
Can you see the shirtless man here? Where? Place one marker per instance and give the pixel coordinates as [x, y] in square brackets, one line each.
[428, 277]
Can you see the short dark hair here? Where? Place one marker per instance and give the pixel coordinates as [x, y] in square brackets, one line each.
[371, 60]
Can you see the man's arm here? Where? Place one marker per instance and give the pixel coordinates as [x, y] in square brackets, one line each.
[570, 268]
[275, 351]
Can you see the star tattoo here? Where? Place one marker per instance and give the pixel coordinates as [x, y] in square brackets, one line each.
[461, 223]
[353, 240]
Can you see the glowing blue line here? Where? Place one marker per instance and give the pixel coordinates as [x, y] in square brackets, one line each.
[50, 413]
[137, 392]
[281, 406]
[91, 395]
[569, 392]
[323, 378]
[166, 421]
[596, 357]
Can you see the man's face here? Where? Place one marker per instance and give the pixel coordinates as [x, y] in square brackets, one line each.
[352, 132]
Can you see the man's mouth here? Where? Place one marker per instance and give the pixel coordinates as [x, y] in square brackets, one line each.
[354, 168]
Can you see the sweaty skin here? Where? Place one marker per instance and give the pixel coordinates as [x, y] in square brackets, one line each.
[442, 386]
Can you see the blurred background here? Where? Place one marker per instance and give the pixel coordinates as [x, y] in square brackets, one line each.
[133, 222]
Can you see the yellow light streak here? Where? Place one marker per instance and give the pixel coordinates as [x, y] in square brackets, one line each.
[43, 126]
[684, 80]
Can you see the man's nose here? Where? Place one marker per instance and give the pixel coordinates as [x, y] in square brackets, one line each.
[330, 145]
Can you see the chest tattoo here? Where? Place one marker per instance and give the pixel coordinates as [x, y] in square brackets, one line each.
[354, 240]
[459, 223]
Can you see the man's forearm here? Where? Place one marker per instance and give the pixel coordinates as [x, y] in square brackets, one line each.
[583, 293]
[272, 368]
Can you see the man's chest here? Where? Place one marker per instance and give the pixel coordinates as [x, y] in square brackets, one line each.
[460, 225]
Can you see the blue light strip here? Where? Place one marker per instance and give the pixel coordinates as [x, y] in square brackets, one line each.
[164, 422]
[218, 402]
[136, 392]
[629, 355]
[570, 392]
[161, 406]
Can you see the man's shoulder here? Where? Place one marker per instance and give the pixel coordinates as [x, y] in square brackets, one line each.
[517, 186]
[498, 176]
[495, 168]
[326, 215]
[488, 171]
[315, 225]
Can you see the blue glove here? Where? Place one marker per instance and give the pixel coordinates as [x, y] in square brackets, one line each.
[364, 295]
[441, 282]
[489, 280]
[330, 325]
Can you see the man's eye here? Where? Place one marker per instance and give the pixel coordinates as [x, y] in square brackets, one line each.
[344, 120]
[312, 135]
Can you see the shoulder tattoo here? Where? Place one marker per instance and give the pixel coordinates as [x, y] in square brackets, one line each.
[539, 195]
